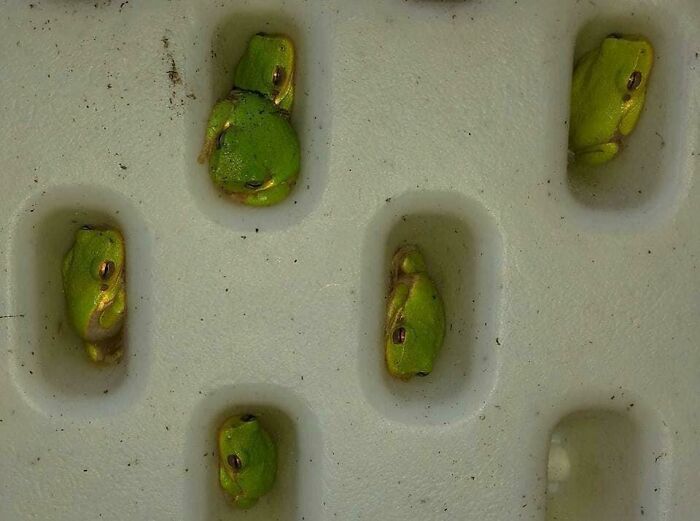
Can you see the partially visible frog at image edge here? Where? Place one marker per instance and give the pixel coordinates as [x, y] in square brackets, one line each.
[607, 96]
[252, 149]
[95, 294]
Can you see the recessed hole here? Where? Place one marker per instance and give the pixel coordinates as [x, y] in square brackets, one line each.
[210, 67]
[295, 429]
[603, 465]
[463, 250]
[51, 364]
[645, 179]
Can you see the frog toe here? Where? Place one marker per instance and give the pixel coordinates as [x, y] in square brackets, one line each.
[597, 155]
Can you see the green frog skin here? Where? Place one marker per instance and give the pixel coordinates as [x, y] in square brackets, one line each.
[607, 96]
[94, 287]
[415, 317]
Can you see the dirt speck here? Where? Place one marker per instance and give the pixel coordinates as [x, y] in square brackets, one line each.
[173, 73]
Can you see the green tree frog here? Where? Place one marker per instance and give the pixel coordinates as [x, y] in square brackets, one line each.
[247, 460]
[607, 96]
[252, 149]
[415, 317]
[94, 287]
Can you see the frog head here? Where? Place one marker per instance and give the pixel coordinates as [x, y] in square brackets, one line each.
[630, 59]
[267, 67]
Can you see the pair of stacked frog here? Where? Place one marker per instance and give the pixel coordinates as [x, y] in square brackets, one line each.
[253, 155]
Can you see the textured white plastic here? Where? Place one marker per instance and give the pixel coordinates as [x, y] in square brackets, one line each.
[572, 298]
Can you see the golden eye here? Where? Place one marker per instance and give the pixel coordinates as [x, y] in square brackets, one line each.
[634, 81]
[106, 270]
[234, 461]
[399, 335]
[278, 76]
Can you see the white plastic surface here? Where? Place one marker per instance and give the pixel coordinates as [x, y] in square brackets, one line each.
[572, 302]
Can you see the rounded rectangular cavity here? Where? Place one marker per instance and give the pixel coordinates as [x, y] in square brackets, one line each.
[51, 367]
[463, 251]
[605, 465]
[296, 493]
[219, 42]
[646, 179]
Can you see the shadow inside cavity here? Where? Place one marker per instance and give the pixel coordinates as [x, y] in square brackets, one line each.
[598, 471]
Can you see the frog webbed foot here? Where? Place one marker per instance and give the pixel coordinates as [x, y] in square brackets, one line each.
[107, 352]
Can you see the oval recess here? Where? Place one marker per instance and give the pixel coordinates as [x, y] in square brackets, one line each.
[464, 252]
[644, 183]
[209, 70]
[606, 464]
[50, 365]
[294, 427]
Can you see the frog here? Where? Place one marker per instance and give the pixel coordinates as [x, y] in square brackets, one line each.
[608, 92]
[415, 317]
[267, 67]
[247, 460]
[95, 290]
[252, 149]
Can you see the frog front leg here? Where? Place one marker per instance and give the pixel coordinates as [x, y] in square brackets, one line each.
[219, 120]
[598, 154]
[106, 351]
[267, 197]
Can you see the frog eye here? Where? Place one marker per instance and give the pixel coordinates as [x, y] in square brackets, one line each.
[278, 76]
[616, 36]
[422, 373]
[106, 270]
[399, 335]
[247, 418]
[234, 461]
[220, 140]
[86, 227]
[634, 80]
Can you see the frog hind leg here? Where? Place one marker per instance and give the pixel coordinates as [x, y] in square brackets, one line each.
[268, 197]
[219, 120]
[106, 352]
[597, 155]
[245, 502]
